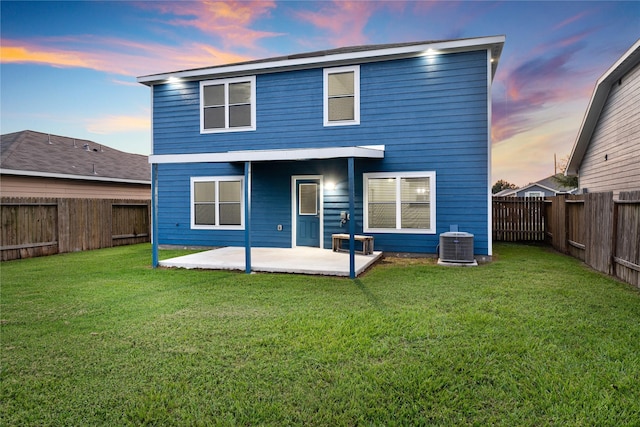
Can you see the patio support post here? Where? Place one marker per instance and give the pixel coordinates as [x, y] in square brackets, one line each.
[154, 215]
[247, 217]
[352, 218]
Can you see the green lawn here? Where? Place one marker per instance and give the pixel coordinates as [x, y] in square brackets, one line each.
[534, 338]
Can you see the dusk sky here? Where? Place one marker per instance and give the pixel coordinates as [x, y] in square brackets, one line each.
[70, 68]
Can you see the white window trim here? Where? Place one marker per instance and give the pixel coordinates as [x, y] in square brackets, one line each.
[536, 193]
[226, 82]
[356, 95]
[397, 175]
[217, 180]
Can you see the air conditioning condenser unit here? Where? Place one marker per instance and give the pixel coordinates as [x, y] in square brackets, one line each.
[456, 248]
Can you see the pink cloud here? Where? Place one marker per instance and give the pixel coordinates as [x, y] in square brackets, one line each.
[549, 76]
[344, 21]
[228, 20]
[573, 19]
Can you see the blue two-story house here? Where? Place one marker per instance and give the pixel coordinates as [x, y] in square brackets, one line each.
[391, 141]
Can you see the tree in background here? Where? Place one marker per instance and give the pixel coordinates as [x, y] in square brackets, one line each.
[560, 178]
[502, 185]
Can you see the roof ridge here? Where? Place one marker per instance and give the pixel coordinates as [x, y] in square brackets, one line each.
[12, 146]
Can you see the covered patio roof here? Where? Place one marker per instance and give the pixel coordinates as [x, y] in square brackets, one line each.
[368, 151]
[248, 157]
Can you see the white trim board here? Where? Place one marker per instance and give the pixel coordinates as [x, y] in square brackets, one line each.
[370, 152]
[70, 176]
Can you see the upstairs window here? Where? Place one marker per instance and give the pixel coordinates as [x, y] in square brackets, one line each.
[228, 105]
[342, 96]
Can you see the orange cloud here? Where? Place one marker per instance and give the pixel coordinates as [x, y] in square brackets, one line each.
[41, 55]
[112, 124]
[114, 55]
[228, 20]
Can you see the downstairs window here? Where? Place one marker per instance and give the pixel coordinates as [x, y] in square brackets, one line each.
[399, 202]
[217, 203]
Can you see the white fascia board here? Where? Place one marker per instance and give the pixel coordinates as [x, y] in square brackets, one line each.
[310, 62]
[369, 152]
[70, 176]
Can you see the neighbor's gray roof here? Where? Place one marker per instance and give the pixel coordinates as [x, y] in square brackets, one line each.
[629, 60]
[548, 183]
[39, 154]
[337, 55]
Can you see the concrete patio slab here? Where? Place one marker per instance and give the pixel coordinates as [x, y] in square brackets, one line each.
[301, 260]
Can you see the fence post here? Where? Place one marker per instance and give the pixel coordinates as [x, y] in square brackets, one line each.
[614, 240]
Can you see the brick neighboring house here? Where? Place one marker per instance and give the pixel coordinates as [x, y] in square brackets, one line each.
[35, 164]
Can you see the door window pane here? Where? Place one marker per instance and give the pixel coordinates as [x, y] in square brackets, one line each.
[308, 195]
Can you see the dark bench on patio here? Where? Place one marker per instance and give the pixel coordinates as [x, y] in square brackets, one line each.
[367, 243]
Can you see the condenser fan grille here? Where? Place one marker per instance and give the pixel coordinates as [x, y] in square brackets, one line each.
[456, 247]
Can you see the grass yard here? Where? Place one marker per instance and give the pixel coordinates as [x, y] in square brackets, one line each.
[534, 338]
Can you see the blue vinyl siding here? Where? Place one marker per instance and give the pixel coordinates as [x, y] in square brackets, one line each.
[430, 113]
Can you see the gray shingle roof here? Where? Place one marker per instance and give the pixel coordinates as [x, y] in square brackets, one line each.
[495, 43]
[28, 151]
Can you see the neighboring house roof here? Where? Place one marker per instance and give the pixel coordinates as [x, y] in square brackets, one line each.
[627, 61]
[339, 56]
[30, 153]
[505, 192]
[548, 183]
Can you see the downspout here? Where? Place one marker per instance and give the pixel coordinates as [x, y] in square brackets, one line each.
[154, 214]
[352, 219]
[247, 217]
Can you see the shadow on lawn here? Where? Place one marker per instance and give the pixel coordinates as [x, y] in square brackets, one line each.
[373, 300]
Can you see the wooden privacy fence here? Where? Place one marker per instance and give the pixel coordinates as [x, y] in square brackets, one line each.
[518, 219]
[602, 231]
[44, 226]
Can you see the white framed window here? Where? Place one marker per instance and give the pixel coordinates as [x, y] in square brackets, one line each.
[400, 202]
[342, 96]
[217, 202]
[228, 105]
[534, 194]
